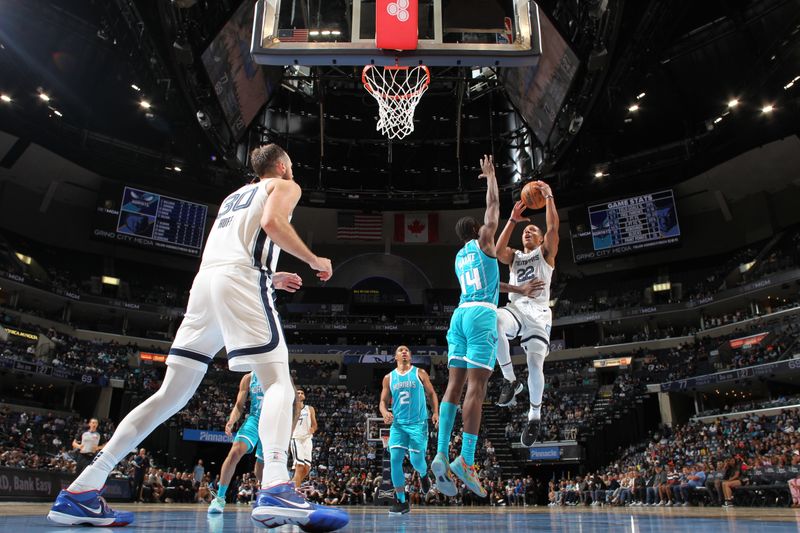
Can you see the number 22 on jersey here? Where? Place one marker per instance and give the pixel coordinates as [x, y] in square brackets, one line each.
[470, 278]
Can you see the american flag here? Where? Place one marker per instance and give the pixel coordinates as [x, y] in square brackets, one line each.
[293, 36]
[359, 227]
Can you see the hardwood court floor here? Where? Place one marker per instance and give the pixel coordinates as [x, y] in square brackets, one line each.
[24, 517]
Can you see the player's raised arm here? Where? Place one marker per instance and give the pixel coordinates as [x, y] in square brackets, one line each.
[238, 407]
[282, 199]
[492, 217]
[433, 399]
[505, 254]
[386, 400]
[550, 244]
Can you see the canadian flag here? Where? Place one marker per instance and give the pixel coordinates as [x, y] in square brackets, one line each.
[416, 227]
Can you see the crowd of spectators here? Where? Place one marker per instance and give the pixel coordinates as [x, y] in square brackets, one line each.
[41, 441]
[93, 358]
[697, 283]
[699, 461]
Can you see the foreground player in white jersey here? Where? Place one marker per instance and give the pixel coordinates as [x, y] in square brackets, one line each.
[528, 316]
[230, 306]
[302, 443]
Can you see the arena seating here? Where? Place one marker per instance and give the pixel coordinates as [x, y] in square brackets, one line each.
[762, 451]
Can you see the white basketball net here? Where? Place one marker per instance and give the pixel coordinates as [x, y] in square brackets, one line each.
[397, 91]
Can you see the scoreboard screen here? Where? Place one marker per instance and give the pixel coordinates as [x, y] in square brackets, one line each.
[152, 220]
[624, 226]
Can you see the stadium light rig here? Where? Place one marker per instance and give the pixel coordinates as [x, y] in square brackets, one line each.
[634, 108]
[5, 98]
[767, 109]
[733, 102]
[44, 97]
[144, 104]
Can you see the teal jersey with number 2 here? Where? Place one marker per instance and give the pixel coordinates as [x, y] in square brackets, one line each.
[408, 397]
[478, 274]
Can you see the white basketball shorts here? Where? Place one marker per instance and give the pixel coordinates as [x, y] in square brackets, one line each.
[301, 451]
[229, 306]
[533, 325]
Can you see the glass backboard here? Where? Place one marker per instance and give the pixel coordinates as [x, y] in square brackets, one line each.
[496, 33]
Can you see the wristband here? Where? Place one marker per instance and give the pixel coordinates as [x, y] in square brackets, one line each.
[548, 196]
[512, 220]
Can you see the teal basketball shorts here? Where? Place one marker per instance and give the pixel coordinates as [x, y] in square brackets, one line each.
[410, 437]
[472, 337]
[248, 434]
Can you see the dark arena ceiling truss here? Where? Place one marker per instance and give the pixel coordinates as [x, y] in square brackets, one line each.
[649, 101]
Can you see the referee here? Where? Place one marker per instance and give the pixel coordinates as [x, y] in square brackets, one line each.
[87, 447]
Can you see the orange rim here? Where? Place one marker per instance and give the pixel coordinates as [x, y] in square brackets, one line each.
[372, 91]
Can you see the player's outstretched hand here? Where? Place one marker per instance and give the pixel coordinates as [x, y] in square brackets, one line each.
[287, 281]
[323, 267]
[388, 418]
[516, 212]
[487, 167]
[532, 288]
[544, 187]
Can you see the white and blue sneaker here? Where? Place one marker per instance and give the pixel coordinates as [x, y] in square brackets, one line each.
[86, 508]
[283, 505]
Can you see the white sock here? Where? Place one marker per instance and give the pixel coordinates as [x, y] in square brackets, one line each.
[535, 412]
[535, 381]
[178, 387]
[505, 325]
[275, 422]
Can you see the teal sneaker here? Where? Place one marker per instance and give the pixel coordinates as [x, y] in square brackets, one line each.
[468, 474]
[444, 478]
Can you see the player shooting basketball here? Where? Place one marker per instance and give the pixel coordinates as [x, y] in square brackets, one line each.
[528, 316]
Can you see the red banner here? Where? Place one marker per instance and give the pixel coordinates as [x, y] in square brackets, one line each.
[396, 24]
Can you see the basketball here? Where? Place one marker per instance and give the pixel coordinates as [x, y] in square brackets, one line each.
[532, 197]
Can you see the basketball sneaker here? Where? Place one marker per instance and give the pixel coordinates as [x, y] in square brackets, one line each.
[217, 505]
[399, 507]
[531, 432]
[444, 477]
[425, 484]
[468, 475]
[509, 392]
[283, 505]
[86, 508]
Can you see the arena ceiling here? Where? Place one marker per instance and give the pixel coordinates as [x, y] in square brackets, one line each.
[649, 105]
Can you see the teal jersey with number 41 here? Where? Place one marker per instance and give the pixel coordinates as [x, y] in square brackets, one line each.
[478, 274]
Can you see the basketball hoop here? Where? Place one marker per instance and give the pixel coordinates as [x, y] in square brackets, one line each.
[398, 91]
